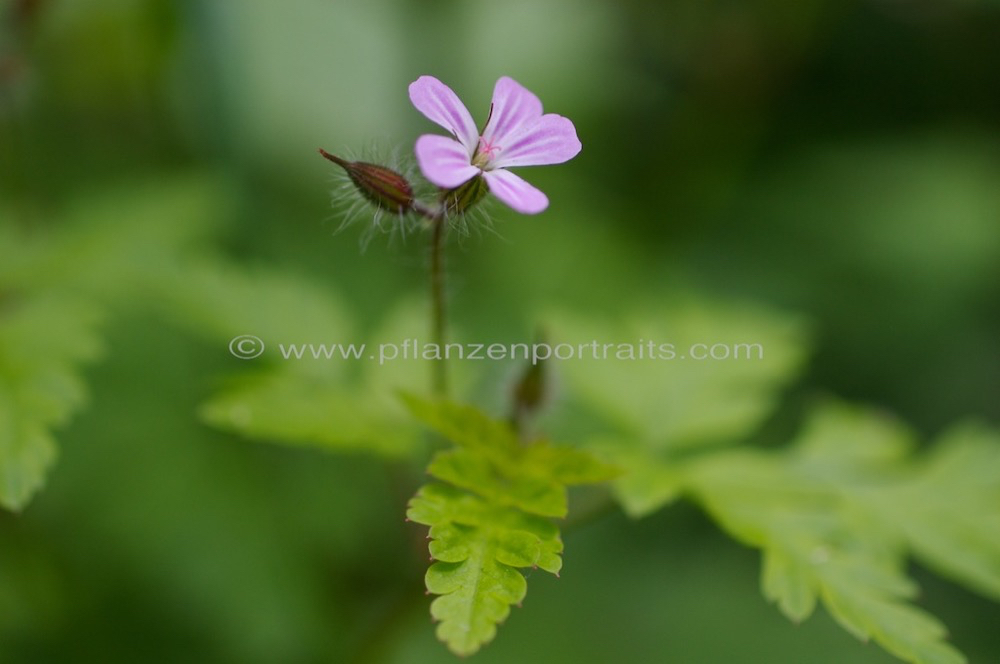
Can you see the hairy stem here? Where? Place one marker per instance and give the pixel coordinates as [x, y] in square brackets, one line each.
[439, 314]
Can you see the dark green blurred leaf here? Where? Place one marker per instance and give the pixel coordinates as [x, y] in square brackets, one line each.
[43, 344]
[115, 247]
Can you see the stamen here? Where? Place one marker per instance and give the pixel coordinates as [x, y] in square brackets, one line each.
[487, 149]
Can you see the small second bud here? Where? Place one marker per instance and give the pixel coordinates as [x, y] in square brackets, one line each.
[464, 196]
[383, 187]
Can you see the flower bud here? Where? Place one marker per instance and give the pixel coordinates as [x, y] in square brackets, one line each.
[464, 196]
[530, 391]
[384, 187]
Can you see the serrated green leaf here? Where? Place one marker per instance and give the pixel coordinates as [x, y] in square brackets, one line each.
[44, 342]
[465, 426]
[786, 581]
[492, 462]
[478, 548]
[814, 511]
[476, 596]
[474, 472]
[948, 508]
[902, 629]
[488, 520]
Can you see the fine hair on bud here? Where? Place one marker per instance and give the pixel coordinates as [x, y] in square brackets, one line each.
[374, 190]
[467, 207]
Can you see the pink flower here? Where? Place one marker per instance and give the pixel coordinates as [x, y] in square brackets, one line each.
[516, 134]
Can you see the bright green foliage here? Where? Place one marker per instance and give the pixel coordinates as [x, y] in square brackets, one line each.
[836, 515]
[666, 403]
[491, 519]
[478, 547]
[489, 459]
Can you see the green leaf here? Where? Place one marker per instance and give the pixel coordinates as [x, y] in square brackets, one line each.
[220, 301]
[646, 483]
[787, 581]
[303, 410]
[111, 247]
[44, 342]
[296, 399]
[478, 548]
[817, 511]
[948, 508]
[120, 244]
[465, 426]
[316, 383]
[663, 403]
[664, 398]
[492, 462]
[489, 519]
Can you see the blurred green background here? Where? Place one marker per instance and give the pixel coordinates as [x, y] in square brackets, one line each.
[836, 159]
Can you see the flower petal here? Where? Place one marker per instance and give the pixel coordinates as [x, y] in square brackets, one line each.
[444, 161]
[441, 105]
[515, 192]
[550, 140]
[514, 108]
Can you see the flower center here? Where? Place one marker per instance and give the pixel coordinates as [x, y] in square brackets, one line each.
[485, 154]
